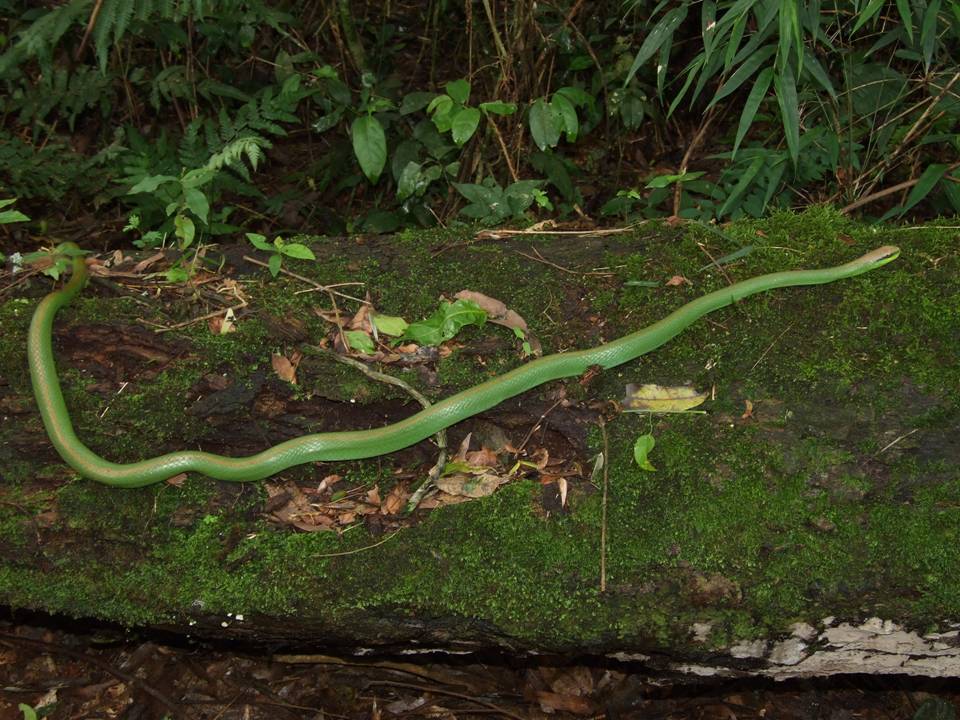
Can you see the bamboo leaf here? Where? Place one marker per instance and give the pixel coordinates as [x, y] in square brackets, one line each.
[928, 180]
[906, 16]
[661, 33]
[757, 94]
[867, 14]
[741, 187]
[743, 73]
[928, 32]
[786, 88]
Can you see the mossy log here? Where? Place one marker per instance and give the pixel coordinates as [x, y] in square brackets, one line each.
[807, 523]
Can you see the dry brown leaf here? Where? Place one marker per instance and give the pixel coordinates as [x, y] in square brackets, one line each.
[562, 487]
[678, 280]
[328, 482]
[373, 497]
[499, 314]
[221, 325]
[395, 500]
[286, 368]
[471, 486]
[748, 413]
[651, 397]
[555, 702]
[177, 480]
[484, 457]
[144, 264]
[361, 320]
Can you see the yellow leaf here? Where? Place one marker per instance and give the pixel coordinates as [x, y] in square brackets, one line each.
[656, 398]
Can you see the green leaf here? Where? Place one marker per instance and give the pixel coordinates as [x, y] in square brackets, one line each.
[12, 216]
[757, 95]
[389, 324]
[149, 184]
[369, 145]
[184, 229]
[727, 259]
[742, 185]
[445, 323]
[298, 251]
[928, 32]
[568, 116]
[662, 181]
[8, 201]
[464, 125]
[407, 183]
[412, 102]
[786, 89]
[660, 35]
[545, 125]
[197, 203]
[791, 34]
[928, 180]
[817, 72]
[459, 90]
[274, 263]
[28, 712]
[499, 108]
[906, 17]
[360, 341]
[641, 449]
[743, 73]
[260, 242]
[868, 13]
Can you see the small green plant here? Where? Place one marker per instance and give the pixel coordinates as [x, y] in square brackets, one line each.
[53, 262]
[279, 249]
[10, 216]
[451, 113]
[490, 203]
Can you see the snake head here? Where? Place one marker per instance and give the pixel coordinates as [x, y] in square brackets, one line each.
[880, 256]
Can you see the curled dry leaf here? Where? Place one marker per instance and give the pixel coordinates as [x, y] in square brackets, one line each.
[500, 314]
[472, 486]
[651, 397]
[748, 411]
[144, 264]
[395, 500]
[678, 280]
[286, 368]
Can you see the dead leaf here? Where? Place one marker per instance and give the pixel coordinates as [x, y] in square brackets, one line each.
[328, 482]
[846, 239]
[177, 480]
[395, 500]
[760, 233]
[484, 457]
[46, 519]
[555, 702]
[562, 487]
[222, 325]
[678, 280]
[655, 398]
[472, 486]
[373, 497]
[748, 413]
[286, 368]
[144, 264]
[499, 314]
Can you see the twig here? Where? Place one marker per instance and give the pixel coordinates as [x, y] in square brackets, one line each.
[714, 262]
[449, 693]
[697, 139]
[597, 232]
[603, 507]
[770, 346]
[541, 259]
[504, 150]
[894, 442]
[905, 185]
[536, 426]
[94, 14]
[309, 281]
[168, 328]
[441, 436]
[359, 549]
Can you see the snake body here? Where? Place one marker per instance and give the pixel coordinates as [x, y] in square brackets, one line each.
[354, 445]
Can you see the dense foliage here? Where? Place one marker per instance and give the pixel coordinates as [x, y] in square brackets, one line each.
[190, 118]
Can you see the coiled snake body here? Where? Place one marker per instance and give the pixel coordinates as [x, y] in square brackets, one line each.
[353, 445]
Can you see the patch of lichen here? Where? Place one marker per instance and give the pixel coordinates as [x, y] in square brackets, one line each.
[747, 524]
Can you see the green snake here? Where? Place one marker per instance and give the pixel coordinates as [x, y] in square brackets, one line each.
[353, 445]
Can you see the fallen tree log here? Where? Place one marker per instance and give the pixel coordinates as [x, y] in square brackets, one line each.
[807, 524]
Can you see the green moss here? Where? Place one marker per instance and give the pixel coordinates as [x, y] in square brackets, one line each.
[748, 523]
